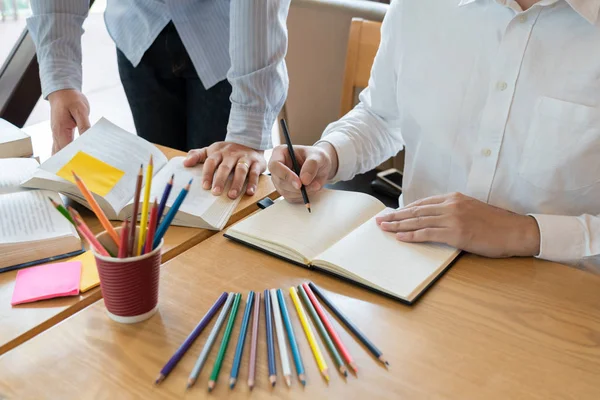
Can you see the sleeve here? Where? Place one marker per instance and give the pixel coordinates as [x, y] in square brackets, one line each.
[369, 134]
[568, 239]
[56, 29]
[258, 75]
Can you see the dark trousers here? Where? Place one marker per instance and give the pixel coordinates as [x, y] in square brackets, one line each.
[170, 106]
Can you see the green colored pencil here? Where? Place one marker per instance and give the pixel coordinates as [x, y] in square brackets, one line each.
[313, 313]
[224, 343]
[61, 209]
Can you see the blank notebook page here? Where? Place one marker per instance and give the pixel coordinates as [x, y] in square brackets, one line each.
[375, 256]
[334, 215]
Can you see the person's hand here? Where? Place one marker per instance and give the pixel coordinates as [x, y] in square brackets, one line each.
[465, 223]
[69, 109]
[317, 164]
[220, 159]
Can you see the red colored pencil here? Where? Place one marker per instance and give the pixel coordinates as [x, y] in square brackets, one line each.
[124, 239]
[151, 227]
[87, 233]
[136, 205]
[332, 333]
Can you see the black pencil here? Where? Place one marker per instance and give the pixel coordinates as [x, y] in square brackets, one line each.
[288, 140]
[361, 336]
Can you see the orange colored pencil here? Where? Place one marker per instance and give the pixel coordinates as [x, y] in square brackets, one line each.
[96, 208]
[124, 239]
[87, 233]
[151, 227]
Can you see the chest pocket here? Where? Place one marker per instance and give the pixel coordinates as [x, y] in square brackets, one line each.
[562, 150]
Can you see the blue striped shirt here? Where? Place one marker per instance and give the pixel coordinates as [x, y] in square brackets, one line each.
[242, 40]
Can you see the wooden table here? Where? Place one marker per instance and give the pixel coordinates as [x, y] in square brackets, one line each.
[489, 329]
[21, 323]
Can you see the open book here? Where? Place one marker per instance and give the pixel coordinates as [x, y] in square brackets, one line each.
[120, 154]
[13, 141]
[342, 238]
[31, 229]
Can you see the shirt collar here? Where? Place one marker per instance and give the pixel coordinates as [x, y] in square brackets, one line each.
[588, 9]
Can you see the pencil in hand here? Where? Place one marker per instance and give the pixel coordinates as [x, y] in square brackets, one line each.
[295, 164]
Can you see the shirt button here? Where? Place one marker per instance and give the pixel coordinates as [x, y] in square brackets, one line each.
[486, 152]
[523, 19]
[501, 86]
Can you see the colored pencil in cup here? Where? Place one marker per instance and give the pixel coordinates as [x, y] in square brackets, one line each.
[96, 209]
[145, 207]
[166, 370]
[226, 337]
[270, 344]
[151, 228]
[164, 225]
[124, 239]
[61, 209]
[334, 335]
[254, 342]
[239, 350]
[310, 336]
[165, 197]
[283, 353]
[136, 206]
[292, 338]
[349, 324]
[321, 328]
[85, 231]
[212, 337]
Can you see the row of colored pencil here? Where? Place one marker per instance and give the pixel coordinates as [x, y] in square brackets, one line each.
[151, 228]
[277, 322]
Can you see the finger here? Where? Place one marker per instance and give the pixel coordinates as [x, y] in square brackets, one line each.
[239, 177]
[81, 119]
[429, 200]
[197, 156]
[282, 171]
[209, 168]
[411, 212]
[438, 235]
[413, 224]
[222, 174]
[309, 171]
[253, 176]
[285, 190]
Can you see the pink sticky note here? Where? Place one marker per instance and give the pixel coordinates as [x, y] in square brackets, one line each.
[46, 282]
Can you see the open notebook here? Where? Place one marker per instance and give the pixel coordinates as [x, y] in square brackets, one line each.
[31, 229]
[342, 238]
[120, 154]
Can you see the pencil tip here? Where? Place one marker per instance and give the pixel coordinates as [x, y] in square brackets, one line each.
[211, 385]
[288, 381]
[232, 382]
[354, 367]
[160, 378]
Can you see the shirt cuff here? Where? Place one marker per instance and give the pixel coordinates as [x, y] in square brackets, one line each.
[346, 154]
[250, 127]
[561, 238]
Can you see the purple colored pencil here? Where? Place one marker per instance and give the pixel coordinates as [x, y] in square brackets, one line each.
[163, 200]
[190, 339]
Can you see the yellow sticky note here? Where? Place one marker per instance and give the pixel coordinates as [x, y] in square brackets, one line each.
[98, 176]
[89, 272]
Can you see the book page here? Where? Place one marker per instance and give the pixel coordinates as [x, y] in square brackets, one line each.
[9, 132]
[29, 216]
[374, 257]
[115, 147]
[15, 170]
[334, 215]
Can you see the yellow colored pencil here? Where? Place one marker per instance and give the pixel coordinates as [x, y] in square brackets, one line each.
[145, 206]
[312, 341]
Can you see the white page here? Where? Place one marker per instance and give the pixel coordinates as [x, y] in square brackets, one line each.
[9, 132]
[117, 147]
[29, 216]
[335, 213]
[15, 170]
[375, 256]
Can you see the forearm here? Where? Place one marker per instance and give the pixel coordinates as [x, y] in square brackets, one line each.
[56, 29]
[258, 75]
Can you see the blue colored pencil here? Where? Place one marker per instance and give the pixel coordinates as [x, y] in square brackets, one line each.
[292, 338]
[164, 225]
[163, 200]
[239, 350]
[270, 343]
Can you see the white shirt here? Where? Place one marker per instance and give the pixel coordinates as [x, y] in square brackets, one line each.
[493, 102]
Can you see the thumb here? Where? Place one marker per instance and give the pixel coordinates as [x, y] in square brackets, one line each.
[309, 171]
[81, 119]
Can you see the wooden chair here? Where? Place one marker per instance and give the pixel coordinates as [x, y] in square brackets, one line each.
[363, 43]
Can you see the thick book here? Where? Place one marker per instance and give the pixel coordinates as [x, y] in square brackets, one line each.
[13, 141]
[31, 229]
[341, 237]
[111, 149]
